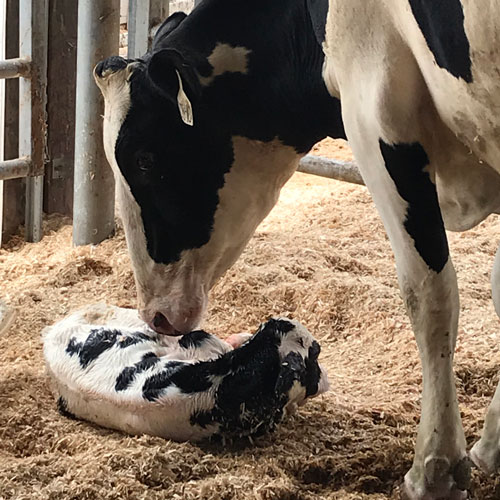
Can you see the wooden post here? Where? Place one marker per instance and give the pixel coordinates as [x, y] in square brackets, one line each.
[14, 199]
[61, 90]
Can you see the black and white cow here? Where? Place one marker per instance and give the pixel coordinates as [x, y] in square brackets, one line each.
[203, 131]
[110, 368]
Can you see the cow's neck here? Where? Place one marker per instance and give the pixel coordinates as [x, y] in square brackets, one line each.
[261, 72]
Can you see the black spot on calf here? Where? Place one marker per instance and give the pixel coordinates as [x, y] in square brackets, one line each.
[127, 376]
[62, 408]
[100, 340]
[194, 339]
[442, 24]
[253, 393]
[313, 371]
[424, 222]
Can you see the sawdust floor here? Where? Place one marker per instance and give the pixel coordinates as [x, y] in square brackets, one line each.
[322, 257]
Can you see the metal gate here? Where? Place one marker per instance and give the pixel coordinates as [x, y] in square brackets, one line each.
[31, 69]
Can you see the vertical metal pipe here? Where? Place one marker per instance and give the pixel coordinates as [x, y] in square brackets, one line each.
[158, 12]
[138, 28]
[98, 38]
[144, 17]
[3, 15]
[33, 36]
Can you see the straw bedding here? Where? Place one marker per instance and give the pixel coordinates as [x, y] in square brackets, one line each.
[322, 257]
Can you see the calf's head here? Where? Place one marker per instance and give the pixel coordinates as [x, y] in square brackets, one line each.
[191, 192]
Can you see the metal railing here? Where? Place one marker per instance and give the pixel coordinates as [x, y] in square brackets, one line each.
[31, 69]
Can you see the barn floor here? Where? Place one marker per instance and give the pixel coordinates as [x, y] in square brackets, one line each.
[322, 257]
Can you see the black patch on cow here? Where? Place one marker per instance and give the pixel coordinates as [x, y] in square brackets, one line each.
[175, 171]
[442, 24]
[318, 10]
[194, 339]
[99, 341]
[62, 408]
[424, 223]
[128, 374]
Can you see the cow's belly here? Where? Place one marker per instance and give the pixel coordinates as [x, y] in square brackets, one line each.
[468, 189]
[391, 79]
[470, 106]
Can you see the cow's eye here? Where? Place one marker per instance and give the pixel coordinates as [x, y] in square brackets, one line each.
[145, 161]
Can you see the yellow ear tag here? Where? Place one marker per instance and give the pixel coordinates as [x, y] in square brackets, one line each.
[185, 107]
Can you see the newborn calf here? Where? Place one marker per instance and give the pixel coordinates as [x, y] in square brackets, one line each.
[110, 368]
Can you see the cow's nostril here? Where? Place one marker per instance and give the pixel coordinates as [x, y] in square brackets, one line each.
[159, 320]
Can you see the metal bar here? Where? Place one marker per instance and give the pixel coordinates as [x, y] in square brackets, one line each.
[333, 169]
[3, 43]
[14, 204]
[138, 28]
[61, 105]
[144, 19]
[14, 68]
[98, 38]
[15, 169]
[33, 36]
[158, 12]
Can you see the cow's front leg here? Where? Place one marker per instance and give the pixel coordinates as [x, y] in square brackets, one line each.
[397, 174]
[486, 452]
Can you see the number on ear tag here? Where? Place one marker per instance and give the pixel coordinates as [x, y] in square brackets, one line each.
[185, 107]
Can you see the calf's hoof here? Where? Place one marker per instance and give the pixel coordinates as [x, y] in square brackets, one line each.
[438, 480]
[486, 456]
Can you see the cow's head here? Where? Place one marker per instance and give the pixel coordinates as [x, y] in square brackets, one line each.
[191, 190]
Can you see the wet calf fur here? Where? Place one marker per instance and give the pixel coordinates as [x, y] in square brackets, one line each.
[110, 368]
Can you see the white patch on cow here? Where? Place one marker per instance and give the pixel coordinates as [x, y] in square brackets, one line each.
[227, 59]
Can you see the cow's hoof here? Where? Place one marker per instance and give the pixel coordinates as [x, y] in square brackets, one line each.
[6, 316]
[486, 458]
[438, 481]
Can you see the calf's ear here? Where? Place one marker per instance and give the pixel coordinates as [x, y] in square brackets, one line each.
[176, 80]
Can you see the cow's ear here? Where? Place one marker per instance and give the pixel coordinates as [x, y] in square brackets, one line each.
[177, 80]
[168, 26]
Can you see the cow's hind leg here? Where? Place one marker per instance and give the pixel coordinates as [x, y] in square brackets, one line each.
[396, 171]
[486, 452]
